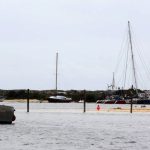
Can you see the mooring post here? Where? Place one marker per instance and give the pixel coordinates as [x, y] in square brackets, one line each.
[131, 108]
[28, 97]
[84, 104]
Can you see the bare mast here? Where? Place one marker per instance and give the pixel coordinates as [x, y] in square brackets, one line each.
[132, 56]
[113, 82]
[56, 71]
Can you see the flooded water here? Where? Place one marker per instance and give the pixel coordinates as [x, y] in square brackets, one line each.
[66, 127]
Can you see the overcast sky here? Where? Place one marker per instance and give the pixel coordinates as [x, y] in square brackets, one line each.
[86, 33]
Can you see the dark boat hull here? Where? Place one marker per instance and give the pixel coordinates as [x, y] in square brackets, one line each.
[146, 102]
[6, 114]
[50, 100]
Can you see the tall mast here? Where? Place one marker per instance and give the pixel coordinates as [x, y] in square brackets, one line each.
[132, 56]
[113, 82]
[56, 70]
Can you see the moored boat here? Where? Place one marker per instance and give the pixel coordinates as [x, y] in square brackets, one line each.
[59, 99]
[7, 115]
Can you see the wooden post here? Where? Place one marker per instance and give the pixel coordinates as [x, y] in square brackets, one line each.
[28, 97]
[131, 108]
[84, 104]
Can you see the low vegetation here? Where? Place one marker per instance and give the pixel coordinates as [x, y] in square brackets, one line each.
[76, 95]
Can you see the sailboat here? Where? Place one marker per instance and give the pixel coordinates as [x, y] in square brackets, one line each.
[137, 100]
[127, 100]
[58, 98]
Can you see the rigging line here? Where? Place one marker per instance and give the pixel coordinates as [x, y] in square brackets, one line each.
[121, 51]
[141, 80]
[126, 67]
[143, 62]
[129, 74]
[121, 64]
[144, 68]
[120, 81]
[124, 58]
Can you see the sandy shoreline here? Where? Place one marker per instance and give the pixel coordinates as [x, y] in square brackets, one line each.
[128, 110]
[25, 100]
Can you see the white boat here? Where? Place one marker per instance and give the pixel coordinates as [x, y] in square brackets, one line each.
[59, 99]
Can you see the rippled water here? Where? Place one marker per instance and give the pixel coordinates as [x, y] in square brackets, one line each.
[49, 126]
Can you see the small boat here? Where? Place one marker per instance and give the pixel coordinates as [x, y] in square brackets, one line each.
[7, 114]
[59, 99]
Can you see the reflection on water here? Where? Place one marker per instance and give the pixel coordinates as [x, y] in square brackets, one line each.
[60, 130]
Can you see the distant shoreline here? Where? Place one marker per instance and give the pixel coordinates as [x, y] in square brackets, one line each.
[25, 100]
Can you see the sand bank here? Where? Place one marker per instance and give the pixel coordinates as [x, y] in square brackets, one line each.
[125, 110]
[24, 101]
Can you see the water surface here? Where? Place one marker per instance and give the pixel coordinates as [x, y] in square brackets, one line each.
[49, 126]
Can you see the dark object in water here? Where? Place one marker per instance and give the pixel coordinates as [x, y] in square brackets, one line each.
[143, 101]
[7, 114]
[120, 102]
[2, 98]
